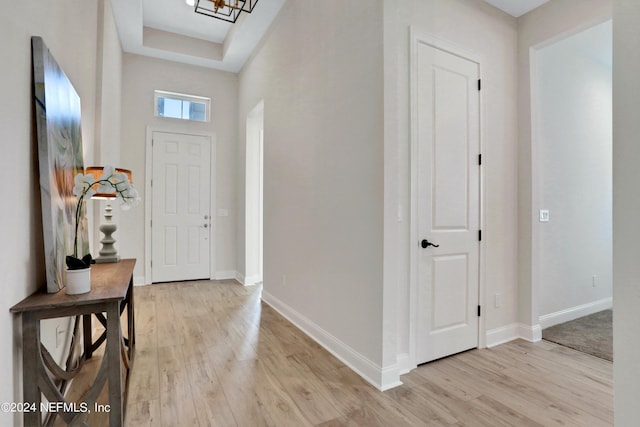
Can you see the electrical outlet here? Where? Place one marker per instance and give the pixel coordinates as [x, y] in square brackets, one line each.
[594, 280]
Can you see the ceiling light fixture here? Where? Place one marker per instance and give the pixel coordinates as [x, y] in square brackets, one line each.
[227, 10]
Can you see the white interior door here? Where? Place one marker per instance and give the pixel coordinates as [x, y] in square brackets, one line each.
[181, 215]
[448, 198]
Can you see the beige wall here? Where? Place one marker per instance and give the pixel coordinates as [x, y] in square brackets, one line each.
[108, 96]
[626, 205]
[109, 89]
[319, 72]
[491, 34]
[560, 17]
[69, 28]
[141, 76]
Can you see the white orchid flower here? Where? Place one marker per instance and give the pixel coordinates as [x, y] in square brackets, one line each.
[82, 183]
[104, 182]
[121, 178]
[134, 196]
[78, 190]
[107, 172]
[105, 187]
[130, 198]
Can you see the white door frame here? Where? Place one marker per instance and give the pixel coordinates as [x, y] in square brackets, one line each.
[254, 181]
[148, 198]
[418, 36]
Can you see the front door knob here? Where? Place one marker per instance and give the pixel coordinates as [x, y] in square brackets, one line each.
[425, 244]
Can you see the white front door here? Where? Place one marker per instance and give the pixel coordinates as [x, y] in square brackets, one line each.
[181, 222]
[446, 105]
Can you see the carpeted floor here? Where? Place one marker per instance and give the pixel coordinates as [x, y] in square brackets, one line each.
[591, 334]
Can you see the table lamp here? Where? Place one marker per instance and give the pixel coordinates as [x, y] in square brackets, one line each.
[108, 252]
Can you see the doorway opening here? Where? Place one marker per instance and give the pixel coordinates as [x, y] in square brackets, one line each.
[254, 195]
[572, 176]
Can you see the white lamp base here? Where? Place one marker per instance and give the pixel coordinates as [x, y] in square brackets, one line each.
[108, 252]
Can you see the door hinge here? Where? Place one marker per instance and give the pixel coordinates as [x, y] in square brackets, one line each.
[479, 84]
[479, 159]
[479, 311]
[480, 235]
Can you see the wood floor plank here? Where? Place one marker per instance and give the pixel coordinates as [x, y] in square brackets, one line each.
[422, 405]
[304, 392]
[143, 414]
[276, 404]
[210, 353]
[212, 408]
[144, 380]
[237, 379]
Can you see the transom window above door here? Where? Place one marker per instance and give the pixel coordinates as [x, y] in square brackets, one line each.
[181, 106]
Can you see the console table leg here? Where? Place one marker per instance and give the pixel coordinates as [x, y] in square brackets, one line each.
[87, 334]
[30, 353]
[131, 321]
[114, 360]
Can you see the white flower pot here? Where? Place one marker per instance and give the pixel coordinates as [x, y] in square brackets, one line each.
[78, 281]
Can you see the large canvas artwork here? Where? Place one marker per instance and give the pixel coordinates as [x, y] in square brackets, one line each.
[57, 109]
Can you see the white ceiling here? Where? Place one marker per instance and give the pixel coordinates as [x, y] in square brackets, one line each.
[177, 17]
[516, 7]
[171, 30]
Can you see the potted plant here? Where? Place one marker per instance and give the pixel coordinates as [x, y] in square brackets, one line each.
[85, 186]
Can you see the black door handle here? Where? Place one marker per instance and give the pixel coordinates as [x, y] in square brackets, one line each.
[425, 244]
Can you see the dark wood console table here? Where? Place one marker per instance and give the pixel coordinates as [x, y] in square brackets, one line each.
[111, 292]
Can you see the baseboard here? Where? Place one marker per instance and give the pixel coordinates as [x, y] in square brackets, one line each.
[246, 280]
[389, 378]
[251, 280]
[531, 333]
[503, 334]
[404, 364]
[382, 379]
[218, 275]
[512, 332]
[224, 275]
[572, 313]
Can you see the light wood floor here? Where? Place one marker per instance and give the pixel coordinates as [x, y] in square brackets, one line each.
[210, 354]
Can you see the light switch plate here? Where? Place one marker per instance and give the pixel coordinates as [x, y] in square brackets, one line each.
[544, 215]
